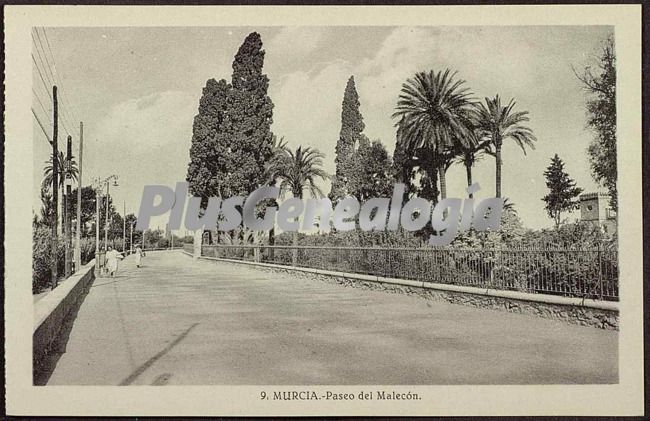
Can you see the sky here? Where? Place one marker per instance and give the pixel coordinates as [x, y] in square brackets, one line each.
[137, 90]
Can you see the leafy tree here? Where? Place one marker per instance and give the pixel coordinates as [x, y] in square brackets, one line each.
[404, 167]
[209, 166]
[249, 114]
[562, 191]
[231, 138]
[131, 220]
[434, 113]
[115, 229]
[88, 208]
[154, 238]
[601, 118]
[350, 136]
[501, 123]
[47, 208]
[370, 172]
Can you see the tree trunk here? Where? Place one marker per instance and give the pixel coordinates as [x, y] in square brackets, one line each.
[498, 162]
[271, 252]
[443, 182]
[294, 251]
[468, 171]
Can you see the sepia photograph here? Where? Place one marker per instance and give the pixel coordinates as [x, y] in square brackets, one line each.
[291, 207]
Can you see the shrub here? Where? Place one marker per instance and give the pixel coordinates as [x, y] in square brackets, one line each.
[41, 258]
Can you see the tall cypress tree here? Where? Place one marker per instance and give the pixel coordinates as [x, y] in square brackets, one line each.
[351, 133]
[208, 167]
[249, 119]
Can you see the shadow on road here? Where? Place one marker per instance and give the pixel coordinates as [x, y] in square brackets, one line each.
[159, 381]
[117, 278]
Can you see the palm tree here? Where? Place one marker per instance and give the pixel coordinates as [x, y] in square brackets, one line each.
[434, 113]
[472, 153]
[278, 148]
[67, 169]
[501, 123]
[297, 171]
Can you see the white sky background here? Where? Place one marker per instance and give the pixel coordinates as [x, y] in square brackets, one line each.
[137, 91]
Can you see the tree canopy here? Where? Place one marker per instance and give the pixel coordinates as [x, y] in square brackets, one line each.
[600, 85]
[562, 191]
[231, 137]
[350, 136]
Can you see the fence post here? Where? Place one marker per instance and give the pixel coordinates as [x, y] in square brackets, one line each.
[600, 274]
[386, 263]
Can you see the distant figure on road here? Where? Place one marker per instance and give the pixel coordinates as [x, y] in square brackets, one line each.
[138, 256]
[111, 260]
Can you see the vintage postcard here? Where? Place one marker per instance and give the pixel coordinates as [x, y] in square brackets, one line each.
[323, 210]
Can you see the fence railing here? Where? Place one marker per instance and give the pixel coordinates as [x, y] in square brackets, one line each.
[588, 273]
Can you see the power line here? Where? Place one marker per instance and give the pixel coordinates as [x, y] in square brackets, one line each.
[45, 85]
[65, 117]
[40, 102]
[41, 126]
[43, 62]
[47, 41]
[48, 93]
[42, 80]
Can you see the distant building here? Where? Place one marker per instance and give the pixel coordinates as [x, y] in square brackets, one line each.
[594, 208]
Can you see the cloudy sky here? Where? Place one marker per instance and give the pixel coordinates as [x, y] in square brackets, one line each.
[137, 91]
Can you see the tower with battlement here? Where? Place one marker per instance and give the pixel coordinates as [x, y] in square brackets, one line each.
[594, 208]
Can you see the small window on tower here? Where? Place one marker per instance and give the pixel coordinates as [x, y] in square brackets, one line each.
[589, 207]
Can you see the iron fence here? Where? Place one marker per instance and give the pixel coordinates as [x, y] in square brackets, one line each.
[588, 273]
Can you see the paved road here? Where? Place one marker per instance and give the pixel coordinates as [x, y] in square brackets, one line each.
[175, 321]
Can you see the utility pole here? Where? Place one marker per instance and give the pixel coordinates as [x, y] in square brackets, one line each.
[124, 229]
[55, 188]
[108, 185]
[131, 241]
[67, 218]
[77, 257]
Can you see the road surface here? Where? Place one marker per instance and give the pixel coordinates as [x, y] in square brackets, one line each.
[177, 321]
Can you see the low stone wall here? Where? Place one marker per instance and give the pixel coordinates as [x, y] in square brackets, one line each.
[51, 311]
[585, 312]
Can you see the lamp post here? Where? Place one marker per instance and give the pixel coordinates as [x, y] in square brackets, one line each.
[98, 185]
[108, 218]
[131, 242]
